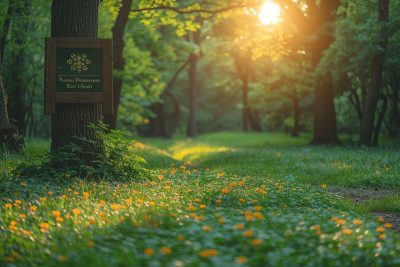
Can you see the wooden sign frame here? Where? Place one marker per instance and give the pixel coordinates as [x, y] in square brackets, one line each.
[52, 96]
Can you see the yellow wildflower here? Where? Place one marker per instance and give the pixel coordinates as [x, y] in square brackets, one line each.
[388, 225]
[166, 250]
[56, 213]
[76, 211]
[149, 251]
[207, 229]
[357, 222]
[239, 226]
[248, 233]
[347, 231]
[241, 260]
[207, 253]
[256, 242]
[85, 195]
[225, 191]
[380, 229]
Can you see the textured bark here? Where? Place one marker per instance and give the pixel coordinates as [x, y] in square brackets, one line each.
[371, 103]
[74, 18]
[18, 85]
[192, 93]
[119, 60]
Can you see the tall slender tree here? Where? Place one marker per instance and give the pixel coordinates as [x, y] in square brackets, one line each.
[119, 60]
[377, 67]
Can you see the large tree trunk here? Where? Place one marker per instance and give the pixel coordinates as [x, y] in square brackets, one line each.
[18, 85]
[193, 59]
[119, 60]
[74, 18]
[370, 106]
[9, 137]
[317, 25]
[325, 124]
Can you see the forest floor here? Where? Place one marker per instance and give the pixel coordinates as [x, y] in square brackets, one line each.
[220, 199]
[368, 178]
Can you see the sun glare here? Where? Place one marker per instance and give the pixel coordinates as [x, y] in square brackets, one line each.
[270, 13]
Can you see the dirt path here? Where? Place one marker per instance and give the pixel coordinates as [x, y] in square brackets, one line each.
[363, 196]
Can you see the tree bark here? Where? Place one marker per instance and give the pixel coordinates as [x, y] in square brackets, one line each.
[296, 117]
[192, 93]
[245, 102]
[5, 30]
[381, 117]
[393, 124]
[74, 18]
[119, 60]
[157, 126]
[18, 86]
[317, 26]
[9, 138]
[325, 124]
[370, 106]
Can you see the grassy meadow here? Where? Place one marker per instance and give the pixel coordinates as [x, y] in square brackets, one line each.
[221, 199]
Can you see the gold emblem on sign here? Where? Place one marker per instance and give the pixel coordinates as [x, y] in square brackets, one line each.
[79, 62]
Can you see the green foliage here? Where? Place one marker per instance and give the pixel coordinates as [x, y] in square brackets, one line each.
[82, 158]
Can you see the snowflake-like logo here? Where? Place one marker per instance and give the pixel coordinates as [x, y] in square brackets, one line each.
[79, 62]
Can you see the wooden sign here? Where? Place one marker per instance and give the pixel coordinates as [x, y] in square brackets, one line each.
[78, 71]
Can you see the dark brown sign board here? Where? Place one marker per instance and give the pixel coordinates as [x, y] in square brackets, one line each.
[78, 71]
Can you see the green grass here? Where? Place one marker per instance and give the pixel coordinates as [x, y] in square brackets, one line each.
[389, 204]
[218, 200]
[279, 156]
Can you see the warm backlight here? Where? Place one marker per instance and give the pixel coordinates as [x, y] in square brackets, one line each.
[270, 13]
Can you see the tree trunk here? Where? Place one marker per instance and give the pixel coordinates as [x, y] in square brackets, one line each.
[370, 105]
[325, 124]
[393, 124]
[193, 59]
[74, 18]
[9, 137]
[296, 117]
[119, 60]
[17, 94]
[381, 117]
[245, 102]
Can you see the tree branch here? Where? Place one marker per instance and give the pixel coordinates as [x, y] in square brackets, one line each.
[187, 10]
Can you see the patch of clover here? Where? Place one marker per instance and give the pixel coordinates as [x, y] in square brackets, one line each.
[79, 62]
